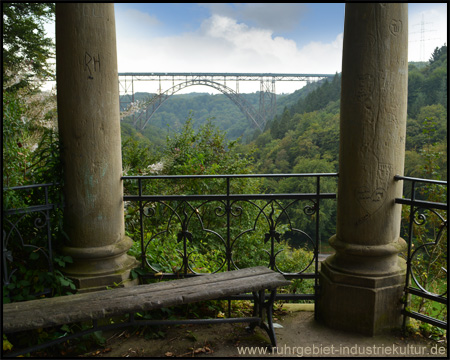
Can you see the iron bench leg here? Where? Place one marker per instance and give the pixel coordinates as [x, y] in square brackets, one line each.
[258, 311]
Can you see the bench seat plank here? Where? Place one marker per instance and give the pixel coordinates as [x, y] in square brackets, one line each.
[96, 305]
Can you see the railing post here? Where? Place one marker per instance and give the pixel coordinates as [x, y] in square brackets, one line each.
[272, 240]
[316, 247]
[141, 225]
[228, 210]
[408, 258]
[228, 250]
[49, 231]
[417, 279]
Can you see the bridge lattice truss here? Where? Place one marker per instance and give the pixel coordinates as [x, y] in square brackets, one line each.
[143, 111]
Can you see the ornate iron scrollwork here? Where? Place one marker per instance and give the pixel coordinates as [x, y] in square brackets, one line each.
[428, 258]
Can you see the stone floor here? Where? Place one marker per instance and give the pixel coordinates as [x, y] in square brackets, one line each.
[297, 333]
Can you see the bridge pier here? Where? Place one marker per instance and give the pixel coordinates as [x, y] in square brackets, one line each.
[267, 100]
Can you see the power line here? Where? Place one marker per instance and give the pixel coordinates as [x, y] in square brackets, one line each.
[422, 36]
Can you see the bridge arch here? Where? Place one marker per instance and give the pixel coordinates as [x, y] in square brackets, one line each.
[255, 118]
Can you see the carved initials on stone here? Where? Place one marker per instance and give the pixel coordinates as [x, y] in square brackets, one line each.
[366, 86]
[91, 64]
[396, 27]
[372, 197]
[93, 11]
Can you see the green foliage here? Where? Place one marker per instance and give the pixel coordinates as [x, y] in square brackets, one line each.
[202, 152]
[31, 153]
[429, 235]
[30, 140]
[170, 118]
[227, 116]
[46, 164]
[303, 138]
[33, 280]
[15, 135]
[81, 345]
[137, 156]
[26, 49]
[281, 125]
[320, 97]
[431, 115]
[428, 85]
[429, 159]
[205, 152]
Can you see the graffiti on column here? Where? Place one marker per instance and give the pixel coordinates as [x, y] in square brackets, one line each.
[91, 64]
[395, 27]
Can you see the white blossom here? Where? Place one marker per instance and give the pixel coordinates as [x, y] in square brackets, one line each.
[156, 168]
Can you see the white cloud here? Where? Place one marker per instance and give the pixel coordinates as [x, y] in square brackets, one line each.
[277, 16]
[133, 23]
[266, 15]
[224, 45]
[225, 42]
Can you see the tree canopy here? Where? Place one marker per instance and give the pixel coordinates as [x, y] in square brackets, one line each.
[26, 47]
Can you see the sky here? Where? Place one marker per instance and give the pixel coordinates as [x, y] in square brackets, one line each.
[251, 37]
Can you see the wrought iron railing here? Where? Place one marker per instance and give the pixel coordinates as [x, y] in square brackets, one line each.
[179, 232]
[215, 226]
[27, 233]
[426, 234]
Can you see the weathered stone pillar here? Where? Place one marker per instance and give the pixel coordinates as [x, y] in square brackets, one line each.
[361, 285]
[89, 127]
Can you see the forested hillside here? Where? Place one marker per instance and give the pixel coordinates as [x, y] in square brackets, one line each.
[172, 115]
[304, 136]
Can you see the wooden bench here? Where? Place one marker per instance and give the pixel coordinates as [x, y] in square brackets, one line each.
[92, 306]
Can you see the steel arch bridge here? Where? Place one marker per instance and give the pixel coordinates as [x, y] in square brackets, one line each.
[143, 111]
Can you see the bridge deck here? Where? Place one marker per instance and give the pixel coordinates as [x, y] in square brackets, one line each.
[230, 76]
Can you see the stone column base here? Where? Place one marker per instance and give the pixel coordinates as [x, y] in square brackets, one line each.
[100, 267]
[364, 304]
[97, 283]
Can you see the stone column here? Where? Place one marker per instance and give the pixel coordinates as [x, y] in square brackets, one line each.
[361, 285]
[89, 128]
